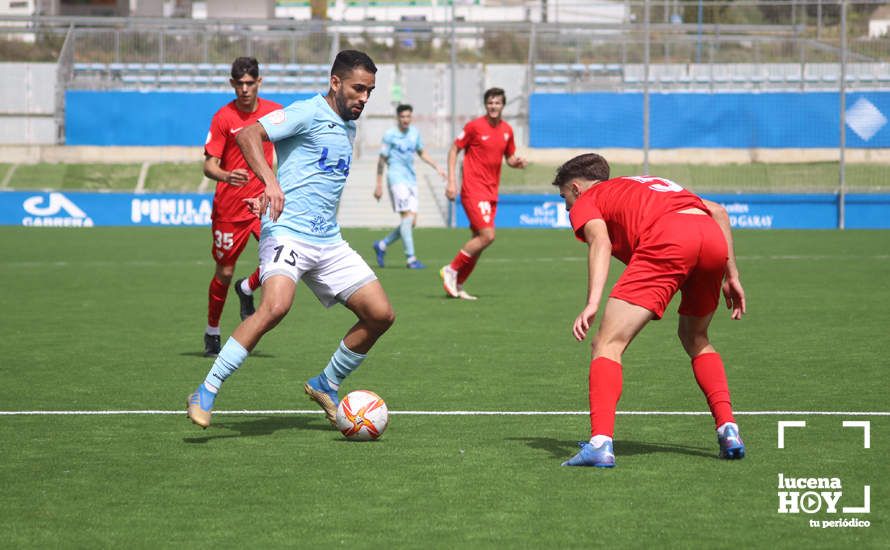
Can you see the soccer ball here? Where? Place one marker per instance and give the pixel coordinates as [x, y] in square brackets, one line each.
[362, 415]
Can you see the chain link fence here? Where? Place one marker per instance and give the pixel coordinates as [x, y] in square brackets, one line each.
[443, 64]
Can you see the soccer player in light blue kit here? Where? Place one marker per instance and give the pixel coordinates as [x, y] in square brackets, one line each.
[300, 238]
[399, 146]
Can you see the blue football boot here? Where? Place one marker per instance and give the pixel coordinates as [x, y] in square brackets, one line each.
[320, 391]
[380, 252]
[599, 457]
[731, 446]
[416, 264]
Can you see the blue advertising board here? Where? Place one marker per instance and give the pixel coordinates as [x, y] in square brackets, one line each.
[55, 209]
[146, 118]
[709, 120]
[752, 211]
[748, 211]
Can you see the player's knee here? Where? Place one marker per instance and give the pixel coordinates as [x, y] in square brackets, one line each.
[692, 342]
[487, 237]
[274, 310]
[386, 319]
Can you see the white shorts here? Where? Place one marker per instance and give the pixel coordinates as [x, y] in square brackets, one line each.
[403, 197]
[332, 272]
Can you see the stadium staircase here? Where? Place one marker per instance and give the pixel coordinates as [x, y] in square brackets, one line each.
[359, 209]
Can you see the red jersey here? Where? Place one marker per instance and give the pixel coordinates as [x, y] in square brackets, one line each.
[228, 201]
[629, 206]
[485, 147]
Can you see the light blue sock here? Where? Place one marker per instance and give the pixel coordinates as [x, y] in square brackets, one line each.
[405, 228]
[343, 362]
[392, 237]
[229, 359]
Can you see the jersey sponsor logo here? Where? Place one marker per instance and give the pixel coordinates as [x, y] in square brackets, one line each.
[48, 215]
[331, 124]
[506, 136]
[277, 117]
[485, 138]
[341, 166]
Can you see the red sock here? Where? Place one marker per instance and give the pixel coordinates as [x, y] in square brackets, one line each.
[254, 280]
[464, 273]
[460, 261]
[216, 300]
[711, 378]
[604, 393]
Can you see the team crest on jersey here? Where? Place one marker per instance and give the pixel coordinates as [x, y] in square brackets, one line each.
[506, 136]
[277, 117]
[318, 224]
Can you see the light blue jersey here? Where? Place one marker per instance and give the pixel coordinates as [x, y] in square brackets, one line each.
[314, 148]
[399, 149]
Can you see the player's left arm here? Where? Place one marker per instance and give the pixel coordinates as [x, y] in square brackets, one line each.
[732, 284]
[512, 159]
[424, 156]
[599, 257]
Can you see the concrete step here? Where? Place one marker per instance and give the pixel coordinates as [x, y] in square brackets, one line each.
[359, 209]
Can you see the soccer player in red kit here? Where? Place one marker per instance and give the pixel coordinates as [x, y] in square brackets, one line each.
[485, 142]
[233, 224]
[670, 240]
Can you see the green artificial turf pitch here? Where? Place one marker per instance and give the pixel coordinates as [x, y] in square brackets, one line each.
[111, 319]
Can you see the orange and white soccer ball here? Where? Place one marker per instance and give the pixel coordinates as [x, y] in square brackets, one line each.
[362, 415]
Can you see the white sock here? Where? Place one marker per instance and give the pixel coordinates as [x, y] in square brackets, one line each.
[381, 245]
[598, 440]
[723, 427]
[213, 331]
[245, 288]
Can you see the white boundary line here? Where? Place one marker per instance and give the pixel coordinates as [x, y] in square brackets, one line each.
[445, 413]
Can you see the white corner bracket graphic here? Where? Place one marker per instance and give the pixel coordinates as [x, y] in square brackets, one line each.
[866, 503]
[782, 424]
[866, 430]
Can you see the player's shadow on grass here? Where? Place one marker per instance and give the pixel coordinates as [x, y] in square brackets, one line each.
[563, 449]
[261, 426]
[253, 354]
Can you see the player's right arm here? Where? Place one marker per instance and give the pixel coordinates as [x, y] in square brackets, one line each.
[451, 188]
[213, 170]
[599, 256]
[214, 148]
[732, 284]
[381, 167]
[250, 141]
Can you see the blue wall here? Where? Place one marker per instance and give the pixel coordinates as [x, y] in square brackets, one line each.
[699, 120]
[56, 209]
[746, 211]
[146, 118]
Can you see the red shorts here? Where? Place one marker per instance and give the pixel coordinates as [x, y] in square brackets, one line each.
[230, 238]
[480, 213]
[685, 252]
